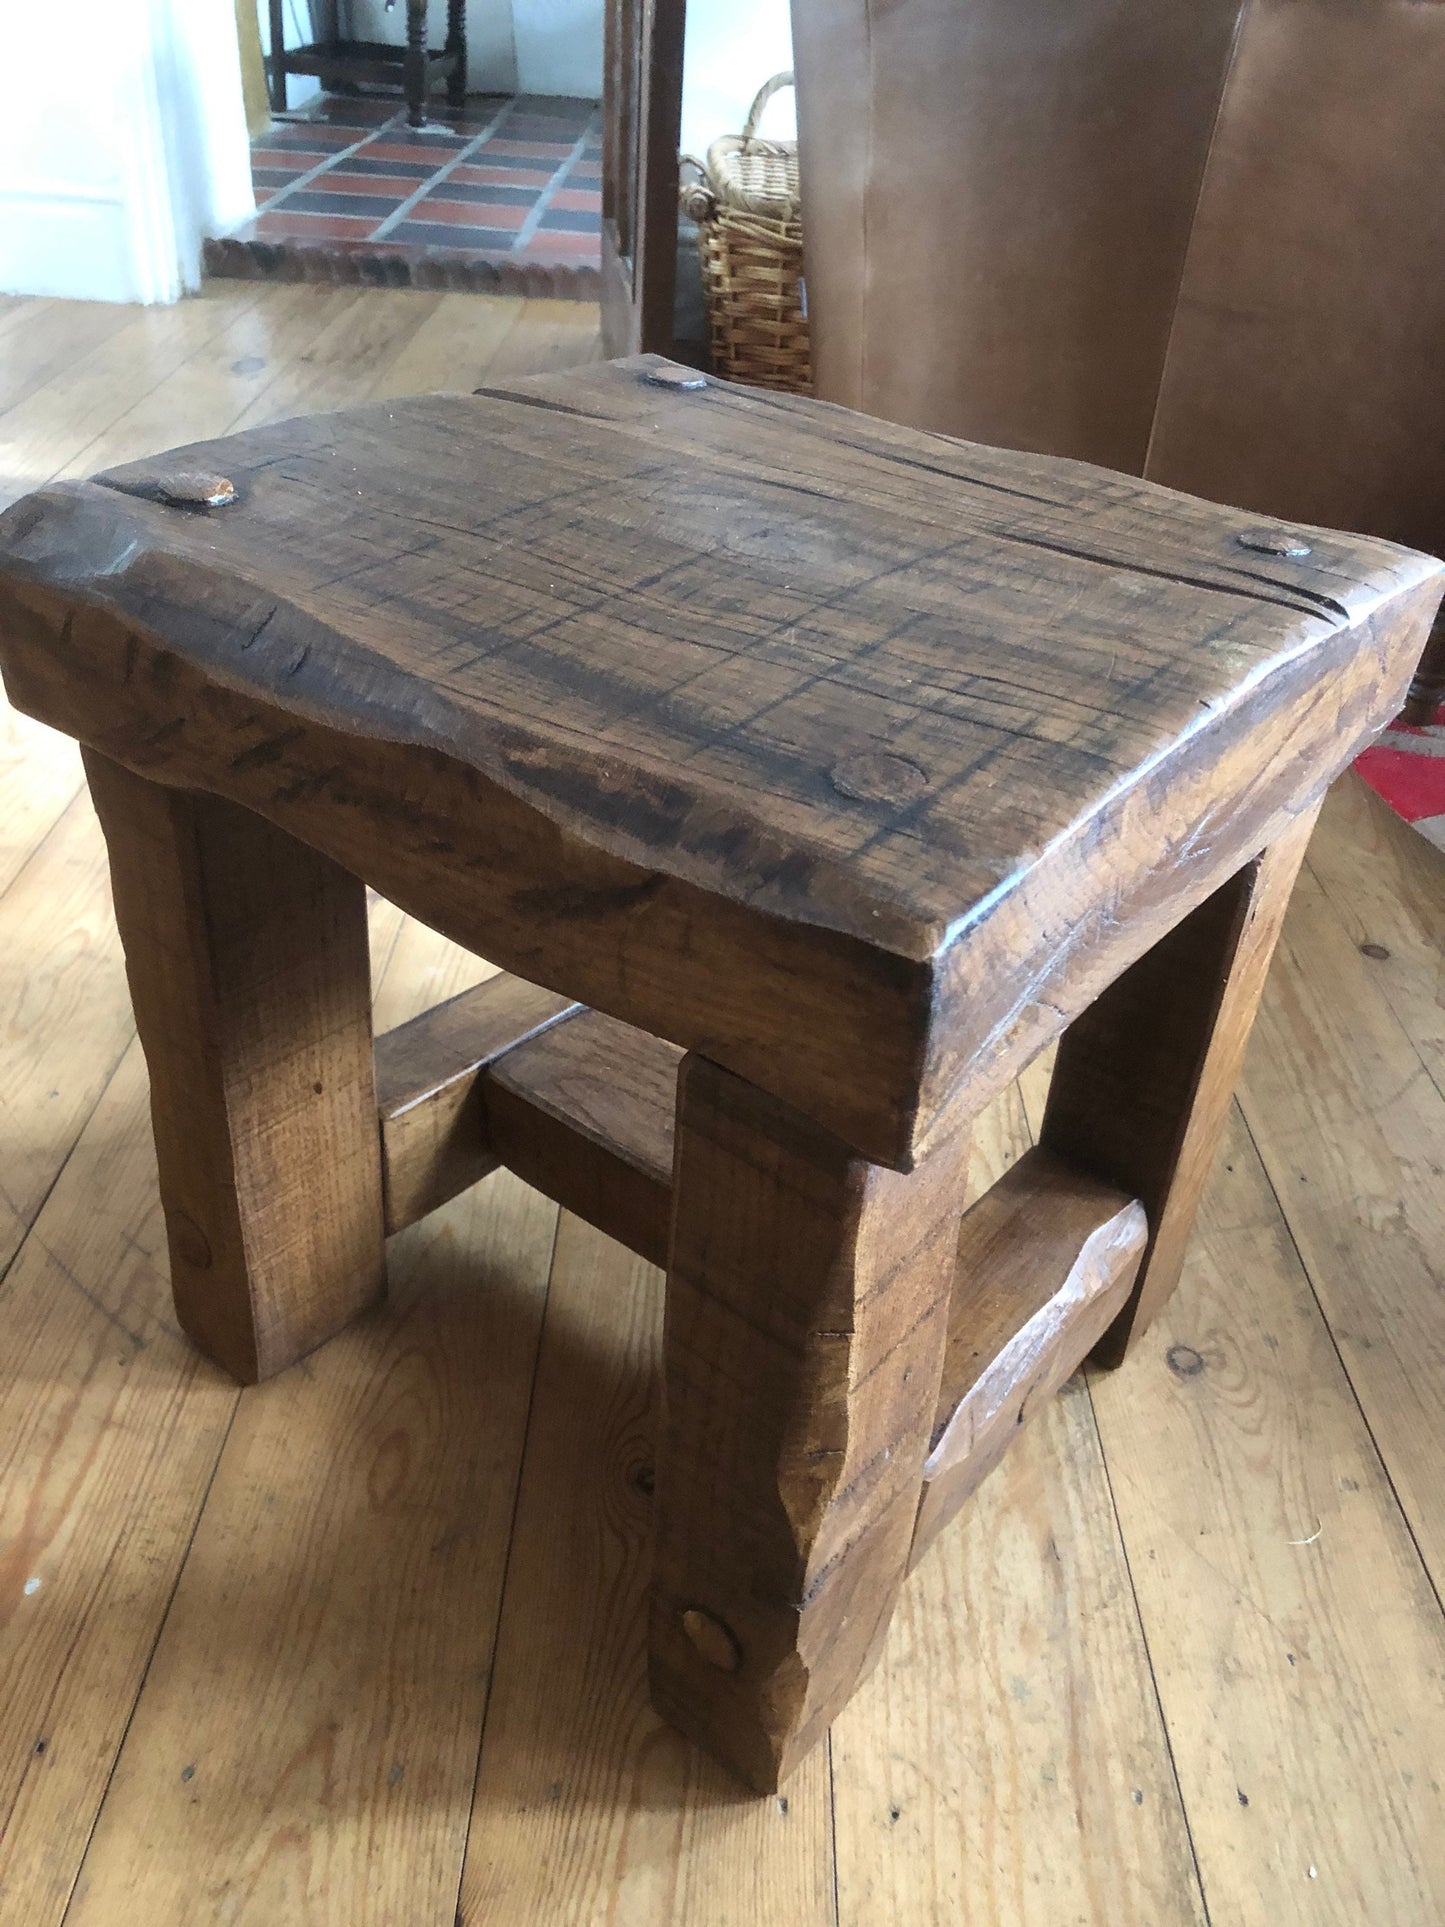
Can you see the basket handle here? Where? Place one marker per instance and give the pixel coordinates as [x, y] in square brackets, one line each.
[764, 95]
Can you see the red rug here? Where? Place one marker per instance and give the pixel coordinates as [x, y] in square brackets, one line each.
[1407, 767]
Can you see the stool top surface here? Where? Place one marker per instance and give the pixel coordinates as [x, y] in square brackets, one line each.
[855, 677]
[865, 671]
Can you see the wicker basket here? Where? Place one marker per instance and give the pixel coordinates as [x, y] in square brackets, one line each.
[750, 239]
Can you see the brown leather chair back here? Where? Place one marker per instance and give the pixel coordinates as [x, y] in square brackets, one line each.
[1187, 238]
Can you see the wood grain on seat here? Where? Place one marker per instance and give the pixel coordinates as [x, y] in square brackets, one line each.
[856, 758]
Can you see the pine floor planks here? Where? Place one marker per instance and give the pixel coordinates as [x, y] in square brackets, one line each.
[55, 421]
[109, 1429]
[64, 1018]
[365, 1645]
[588, 1808]
[1296, 1641]
[254, 348]
[1351, 1128]
[1385, 890]
[305, 1743]
[42, 342]
[1008, 1760]
[39, 774]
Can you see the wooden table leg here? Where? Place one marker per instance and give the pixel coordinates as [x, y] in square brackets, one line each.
[413, 74]
[1427, 687]
[247, 959]
[1144, 1078]
[276, 76]
[807, 1302]
[456, 43]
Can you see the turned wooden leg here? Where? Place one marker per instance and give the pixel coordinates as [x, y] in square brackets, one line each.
[276, 71]
[807, 1302]
[456, 43]
[414, 64]
[1427, 689]
[247, 959]
[1144, 1077]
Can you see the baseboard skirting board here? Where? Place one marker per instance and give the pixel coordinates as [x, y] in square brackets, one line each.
[359, 265]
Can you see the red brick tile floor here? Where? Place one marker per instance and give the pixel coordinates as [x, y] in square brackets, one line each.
[503, 196]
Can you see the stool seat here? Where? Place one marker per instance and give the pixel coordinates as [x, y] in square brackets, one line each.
[640, 683]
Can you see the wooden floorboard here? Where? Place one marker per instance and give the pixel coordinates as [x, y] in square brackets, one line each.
[110, 1425]
[1293, 1631]
[1351, 1129]
[40, 774]
[588, 1808]
[365, 1645]
[55, 422]
[1384, 884]
[1008, 1761]
[43, 341]
[64, 1015]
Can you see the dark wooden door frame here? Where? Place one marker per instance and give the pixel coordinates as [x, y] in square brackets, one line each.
[642, 130]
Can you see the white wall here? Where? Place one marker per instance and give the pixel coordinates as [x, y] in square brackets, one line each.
[521, 46]
[555, 47]
[733, 46]
[109, 201]
[559, 46]
[491, 51]
[296, 28]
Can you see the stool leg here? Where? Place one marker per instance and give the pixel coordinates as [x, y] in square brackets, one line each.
[247, 959]
[1145, 1076]
[807, 1301]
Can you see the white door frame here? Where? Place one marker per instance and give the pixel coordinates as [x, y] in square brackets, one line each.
[109, 198]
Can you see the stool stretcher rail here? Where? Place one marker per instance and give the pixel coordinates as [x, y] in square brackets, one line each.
[582, 1106]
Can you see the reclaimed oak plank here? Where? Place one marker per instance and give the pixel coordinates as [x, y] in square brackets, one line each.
[246, 955]
[1045, 1263]
[585, 1112]
[695, 755]
[430, 1074]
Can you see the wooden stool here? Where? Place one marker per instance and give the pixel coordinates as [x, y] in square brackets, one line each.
[856, 763]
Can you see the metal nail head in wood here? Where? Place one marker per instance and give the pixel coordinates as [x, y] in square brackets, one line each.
[1273, 542]
[188, 488]
[671, 376]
